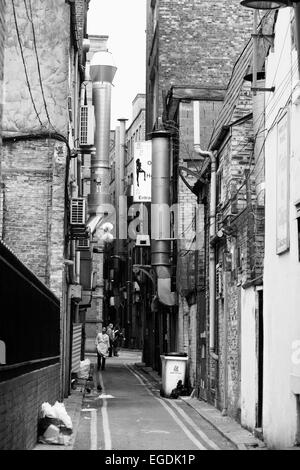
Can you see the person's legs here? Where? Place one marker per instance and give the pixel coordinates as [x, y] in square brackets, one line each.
[116, 348]
[103, 363]
[98, 361]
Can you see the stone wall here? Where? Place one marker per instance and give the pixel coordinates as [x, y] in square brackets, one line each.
[51, 20]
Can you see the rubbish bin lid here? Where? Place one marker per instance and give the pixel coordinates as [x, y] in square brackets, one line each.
[176, 354]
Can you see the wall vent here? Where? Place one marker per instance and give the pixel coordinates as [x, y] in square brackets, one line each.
[78, 209]
[87, 125]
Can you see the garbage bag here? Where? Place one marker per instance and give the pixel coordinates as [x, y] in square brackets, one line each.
[84, 370]
[47, 411]
[55, 425]
[62, 415]
[53, 436]
[45, 422]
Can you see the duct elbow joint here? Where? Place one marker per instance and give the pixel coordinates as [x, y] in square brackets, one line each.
[204, 153]
[164, 292]
[165, 295]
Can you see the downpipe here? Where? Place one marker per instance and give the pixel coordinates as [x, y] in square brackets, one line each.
[212, 229]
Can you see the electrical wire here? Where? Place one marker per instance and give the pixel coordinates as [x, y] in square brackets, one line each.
[24, 64]
[37, 59]
[262, 147]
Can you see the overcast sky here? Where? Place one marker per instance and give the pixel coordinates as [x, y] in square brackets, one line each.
[125, 24]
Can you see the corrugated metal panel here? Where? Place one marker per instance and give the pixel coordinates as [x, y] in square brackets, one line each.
[76, 347]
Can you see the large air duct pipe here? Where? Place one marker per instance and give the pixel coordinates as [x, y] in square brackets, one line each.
[160, 216]
[102, 72]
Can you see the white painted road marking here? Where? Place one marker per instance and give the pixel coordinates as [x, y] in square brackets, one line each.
[170, 411]
[93, 427]
[106, 428]
[195, 427]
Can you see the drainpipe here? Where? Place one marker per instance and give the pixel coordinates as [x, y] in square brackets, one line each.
[212, 230]
[121, 199]
[161, 244]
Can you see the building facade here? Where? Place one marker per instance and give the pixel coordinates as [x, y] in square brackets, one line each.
[125, 301]
[42, 76]
[281, 263]
[207, 62]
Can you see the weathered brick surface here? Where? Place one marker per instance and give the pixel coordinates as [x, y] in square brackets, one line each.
[2, 38]
[81, 7]
[236, 199]
[94, 315]
[195, 43]
[33, 175]
[20, 402]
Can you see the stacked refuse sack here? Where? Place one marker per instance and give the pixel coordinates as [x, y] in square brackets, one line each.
[55, 425]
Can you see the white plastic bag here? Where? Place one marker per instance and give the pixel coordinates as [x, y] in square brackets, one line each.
[47, 411]
[61, 414]
[53, 436]
[84, 371]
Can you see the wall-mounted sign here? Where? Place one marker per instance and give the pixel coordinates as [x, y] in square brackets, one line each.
[142, 171]
[282, 190]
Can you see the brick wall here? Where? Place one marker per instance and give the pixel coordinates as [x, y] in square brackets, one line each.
[2, 36]
[20, 402]
[94, 315]
[33, 175]
[81, 7]
[196, 42]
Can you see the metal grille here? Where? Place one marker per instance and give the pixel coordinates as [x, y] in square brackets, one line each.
[76, 347]
[84, 125]
[219, 280]
[77, 211]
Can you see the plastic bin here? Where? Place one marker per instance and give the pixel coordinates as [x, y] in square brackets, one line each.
[173, 370]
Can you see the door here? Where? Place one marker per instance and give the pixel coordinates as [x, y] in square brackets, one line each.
[201, 347]
[260, 356]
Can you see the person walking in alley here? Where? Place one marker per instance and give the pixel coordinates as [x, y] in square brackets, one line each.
[102, 345]
[117, 341]
[111, 335]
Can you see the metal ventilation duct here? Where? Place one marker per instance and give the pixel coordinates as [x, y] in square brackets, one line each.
[102, 72]
[160, 221]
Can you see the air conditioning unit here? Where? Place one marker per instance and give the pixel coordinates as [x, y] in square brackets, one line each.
[78, 210]
[87, 120]
[83, 244]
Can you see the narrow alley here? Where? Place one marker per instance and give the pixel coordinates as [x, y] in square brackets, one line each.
[130, 414]
[149, 206]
